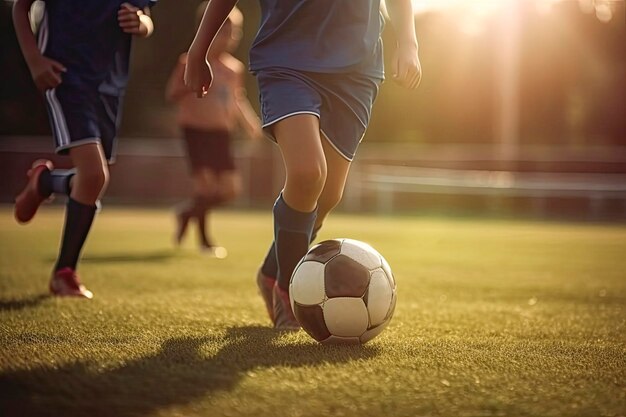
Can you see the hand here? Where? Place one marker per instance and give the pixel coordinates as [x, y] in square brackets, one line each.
[198, 75]
[130, 19]
[405, 66]
[46, 72]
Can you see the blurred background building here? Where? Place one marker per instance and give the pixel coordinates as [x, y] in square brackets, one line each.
[521, 111]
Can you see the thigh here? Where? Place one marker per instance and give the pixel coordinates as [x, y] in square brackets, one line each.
[298, 138]
[204, 181]
[338, 168]
[229, 184]
[89, 157]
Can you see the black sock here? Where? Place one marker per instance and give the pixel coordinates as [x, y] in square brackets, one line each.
[55, 181]
[292, 234]
[78, 220]
[201, 206]
[270, 263]
[202, 229]
[45, 183]
[60, 179]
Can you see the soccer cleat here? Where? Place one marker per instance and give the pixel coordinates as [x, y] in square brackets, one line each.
[266, 285]
[65, 283]
[283, 315]
[29, 200]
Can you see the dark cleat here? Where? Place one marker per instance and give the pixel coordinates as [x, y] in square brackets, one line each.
[266, 285]
[283, 315]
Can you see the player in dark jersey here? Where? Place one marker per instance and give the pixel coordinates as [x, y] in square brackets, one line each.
[318, 64]
[80, 62]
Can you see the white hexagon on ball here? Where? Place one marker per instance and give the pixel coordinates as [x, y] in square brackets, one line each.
[307, 284]
[379, 297]
[362, 253]
[345, 316]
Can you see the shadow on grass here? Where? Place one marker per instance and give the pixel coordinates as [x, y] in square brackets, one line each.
[33, 301]
[180, 373]
[159, 256]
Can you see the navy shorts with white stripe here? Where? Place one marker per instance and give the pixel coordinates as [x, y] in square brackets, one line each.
[80, 115]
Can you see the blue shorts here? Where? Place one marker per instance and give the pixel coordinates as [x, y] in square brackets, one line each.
[342, 102]
[83, 115]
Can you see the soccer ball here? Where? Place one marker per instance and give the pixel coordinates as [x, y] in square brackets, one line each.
[343, 291]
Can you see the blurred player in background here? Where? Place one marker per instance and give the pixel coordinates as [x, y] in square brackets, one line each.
[80, 62]
[319, 65]
[208, 126]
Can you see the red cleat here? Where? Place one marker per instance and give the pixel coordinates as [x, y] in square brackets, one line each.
[65, 283]
[283, 315]
[266, 285]
[29, 200]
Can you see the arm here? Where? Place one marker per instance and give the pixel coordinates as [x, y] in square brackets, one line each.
[46, 72]
[405, 65]
[176, 88]
[248, 118]
[134, 21]
[198, 75]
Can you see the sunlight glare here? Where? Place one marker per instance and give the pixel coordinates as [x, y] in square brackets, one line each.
[586, 6]
[477, 10]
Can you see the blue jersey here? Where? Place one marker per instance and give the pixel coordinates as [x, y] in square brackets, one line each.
[84, 36]
[327, 36]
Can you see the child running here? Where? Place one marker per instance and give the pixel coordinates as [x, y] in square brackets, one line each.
[318, 64]
[80, 62]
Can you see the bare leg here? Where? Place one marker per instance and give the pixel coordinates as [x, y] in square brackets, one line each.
[88, 184]
[338, 169]
[295, 209]
[92, 173]
[303, 155]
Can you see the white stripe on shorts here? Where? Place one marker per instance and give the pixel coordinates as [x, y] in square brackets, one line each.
[289, 115]
[58, 119]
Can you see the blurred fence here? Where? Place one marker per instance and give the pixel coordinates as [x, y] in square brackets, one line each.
[146, 171]
[547, 182]
[597, 195]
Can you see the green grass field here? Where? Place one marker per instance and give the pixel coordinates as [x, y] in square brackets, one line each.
[494, 318]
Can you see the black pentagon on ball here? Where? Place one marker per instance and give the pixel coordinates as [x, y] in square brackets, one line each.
[344, 277]
[311, 318]
[324, 251]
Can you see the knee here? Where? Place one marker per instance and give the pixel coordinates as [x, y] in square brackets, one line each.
[231, 192]
[308, 179]
[328, 201]
[95, 178]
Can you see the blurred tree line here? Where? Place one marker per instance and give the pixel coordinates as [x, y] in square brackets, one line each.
[572, 85]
